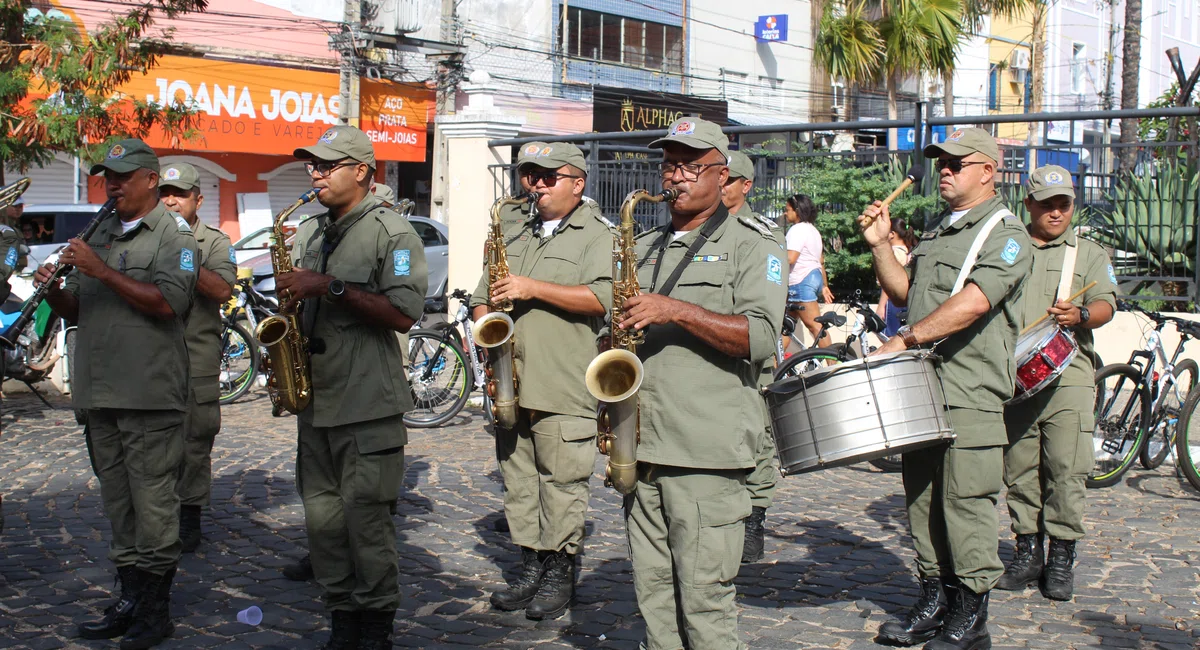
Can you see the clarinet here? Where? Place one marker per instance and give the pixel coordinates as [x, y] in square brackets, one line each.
[9, 338]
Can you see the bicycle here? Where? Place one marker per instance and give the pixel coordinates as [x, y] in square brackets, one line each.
[241, 355]
[866, 322]
[441, 373]
[1187, 440]
[1153, 397]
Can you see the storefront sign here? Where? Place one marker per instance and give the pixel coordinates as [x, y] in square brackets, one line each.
[771, 28]
[621, 109]
[247, 108]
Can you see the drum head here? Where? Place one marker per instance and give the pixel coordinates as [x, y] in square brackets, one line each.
[1034, 339]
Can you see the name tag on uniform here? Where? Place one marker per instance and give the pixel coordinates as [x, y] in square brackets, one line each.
[711, 258]
[400, 265]
[186, 261]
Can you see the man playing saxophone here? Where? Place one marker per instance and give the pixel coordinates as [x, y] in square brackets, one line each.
[360, 272]
[711, 304]
[559, 282]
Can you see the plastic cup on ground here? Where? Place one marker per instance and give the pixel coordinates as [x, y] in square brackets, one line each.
[252, 615]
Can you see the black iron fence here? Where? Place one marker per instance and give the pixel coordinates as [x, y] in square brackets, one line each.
[1146, 219]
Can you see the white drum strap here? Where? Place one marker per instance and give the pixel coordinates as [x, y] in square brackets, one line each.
[1068, 273]
[976, 246]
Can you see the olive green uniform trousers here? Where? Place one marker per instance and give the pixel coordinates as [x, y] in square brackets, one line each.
[686, 527]
[1047, 460]
[136, 456]
[346, 494]
[547, 461]
[201, 426]
[762, 479]
[951, 493]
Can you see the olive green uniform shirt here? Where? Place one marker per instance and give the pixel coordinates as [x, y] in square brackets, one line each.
[978, 367]
[127, 359]
[700, 407]
[767, 375]
[1091, 263]
[204, 322]
[553, 347]
[360, 374]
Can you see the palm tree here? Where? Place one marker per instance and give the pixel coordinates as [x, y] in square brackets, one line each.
[1132, 52]
[848, 45]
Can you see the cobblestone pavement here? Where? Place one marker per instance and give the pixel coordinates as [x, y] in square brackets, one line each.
[839, 561]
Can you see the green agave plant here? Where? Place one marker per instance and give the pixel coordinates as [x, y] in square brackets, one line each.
[1153, 221]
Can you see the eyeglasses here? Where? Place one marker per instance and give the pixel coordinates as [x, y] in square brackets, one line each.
[691, 171]
[955, 165]
[324, 169]
[547, 178]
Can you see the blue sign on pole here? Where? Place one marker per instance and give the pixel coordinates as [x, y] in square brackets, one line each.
[906, 139]
[771, 28]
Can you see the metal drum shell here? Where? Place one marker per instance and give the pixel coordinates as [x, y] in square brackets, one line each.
[858, 411]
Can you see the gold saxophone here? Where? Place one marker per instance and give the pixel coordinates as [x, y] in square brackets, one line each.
[289, 382]
[405, 207]
[494, 330]
[615, 375]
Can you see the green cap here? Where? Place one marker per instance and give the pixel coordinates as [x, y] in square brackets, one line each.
[695, 133]
[964, 142]
[341, 141]
[551, 155]
[126, 156]
[181, 175]
[384, 193]
[740, 166]
[1049, 181]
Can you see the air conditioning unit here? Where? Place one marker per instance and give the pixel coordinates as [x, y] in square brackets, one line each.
[392, 17]
[1018, 66]
[1019, 76]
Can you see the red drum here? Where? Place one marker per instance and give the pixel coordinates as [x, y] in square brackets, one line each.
[1043, 354]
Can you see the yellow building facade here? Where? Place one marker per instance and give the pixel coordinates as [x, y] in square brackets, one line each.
[1010, 75]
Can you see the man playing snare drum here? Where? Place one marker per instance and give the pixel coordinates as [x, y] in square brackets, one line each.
[970, 303]
[1050, 434]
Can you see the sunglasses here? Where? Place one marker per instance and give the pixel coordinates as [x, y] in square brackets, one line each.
[547, 178]
[955, 165]
[324, 169]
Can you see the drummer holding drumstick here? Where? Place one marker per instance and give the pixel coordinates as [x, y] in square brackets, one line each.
[962, 288]
[1050, 449]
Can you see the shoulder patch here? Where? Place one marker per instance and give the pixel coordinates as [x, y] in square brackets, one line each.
[1010, 252]
[232, 255]
[10, 260]
[400, 262]
[755, 225]
[774, 270]
[766, 222]
[1111, 275]
[604, 220]
[182, 223]
[4, 228]
[187, 261]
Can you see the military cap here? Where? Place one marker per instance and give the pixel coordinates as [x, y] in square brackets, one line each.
[1049, 181]
[740, 166]
[696, 133]
[181, 175]
[963, 142]
[384, 193]
[339, 142]
[125, 156]
[552, 155]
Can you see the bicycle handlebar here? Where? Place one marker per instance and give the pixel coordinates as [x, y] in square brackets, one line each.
[1191, 328]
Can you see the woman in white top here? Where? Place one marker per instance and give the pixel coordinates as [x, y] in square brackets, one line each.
[903, 240]
[806, 256]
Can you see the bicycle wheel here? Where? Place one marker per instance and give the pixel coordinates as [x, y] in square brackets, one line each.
[813, 359]
[1122, 408]
[239, 363]
[439, 377]
[890, 464]
[1161, 438]
[1187, 440]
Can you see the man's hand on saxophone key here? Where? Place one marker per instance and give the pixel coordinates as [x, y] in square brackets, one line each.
[515, 287]
[647, 309]
[300, 284]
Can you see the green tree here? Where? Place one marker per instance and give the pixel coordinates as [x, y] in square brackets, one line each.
[59, 86]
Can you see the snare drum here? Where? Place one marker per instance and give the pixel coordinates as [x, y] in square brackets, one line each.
[1043, 354]
[858, 411]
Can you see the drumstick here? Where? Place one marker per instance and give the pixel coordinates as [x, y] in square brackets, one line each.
[914, 175]
[1045, 316]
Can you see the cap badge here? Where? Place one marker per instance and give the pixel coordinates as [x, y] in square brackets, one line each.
[956, 135]
[116, 152]
[172, 174]
[684, 128]
[531, 149]
[1054, 178]
[329, 136]
[546, 151]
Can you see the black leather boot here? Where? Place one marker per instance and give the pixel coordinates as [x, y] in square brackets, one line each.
[119, 615]
[966, 624]
[344, 630]
[1058, 580]
[558, 588]
[924, 620]
[375, 629]
[152, 616]
[1027, 564]
[189, 528]
[521, 591]
[301, 571]
[752, 550]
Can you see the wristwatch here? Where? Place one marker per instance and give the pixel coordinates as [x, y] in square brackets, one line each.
[906, 334]
[1084, 315]
[337, 289]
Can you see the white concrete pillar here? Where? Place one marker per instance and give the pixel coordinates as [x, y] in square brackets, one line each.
[467, 187]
